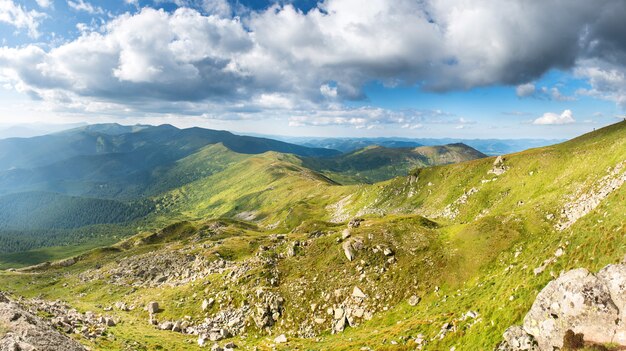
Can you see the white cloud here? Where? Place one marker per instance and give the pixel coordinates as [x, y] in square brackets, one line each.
[555, 94]
[217, 7]
[19, 17]
[181, 59]
[328, 91]
[369, 117]
[82, 5]
[44, 3]
[524, 90]
[553, 118]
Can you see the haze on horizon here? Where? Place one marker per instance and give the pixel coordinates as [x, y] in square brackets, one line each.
[437, 68]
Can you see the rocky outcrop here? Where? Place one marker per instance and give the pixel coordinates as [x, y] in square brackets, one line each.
[452, 210]
[22, 330]
[583, 203]
[169, 268]
[593, 305]
[498, 166]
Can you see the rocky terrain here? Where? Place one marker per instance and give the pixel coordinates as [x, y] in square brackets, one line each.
[590, 305]
[489, 254]
[21, 330]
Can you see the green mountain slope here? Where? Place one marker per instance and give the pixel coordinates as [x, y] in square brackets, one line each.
[376, 163]
[114, 161]
[475, 241]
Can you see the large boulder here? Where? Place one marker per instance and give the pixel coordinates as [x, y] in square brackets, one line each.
[577, 300]
[614, 277]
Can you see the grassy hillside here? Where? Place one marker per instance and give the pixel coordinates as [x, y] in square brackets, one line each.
[376, 163]
[466, 238]
[114, 161]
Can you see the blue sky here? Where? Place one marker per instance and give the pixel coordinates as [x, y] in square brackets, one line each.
[436, 68]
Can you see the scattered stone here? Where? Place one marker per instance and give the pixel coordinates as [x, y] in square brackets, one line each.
[345, 234]
[347, 250]
[202, 340]
[340, 324]
[414, 300]
[152, 307]
[230, 345]
[166, 325]
[358, 293]
[109, 322]
[281, 339]
[206, 304]
[355, 222]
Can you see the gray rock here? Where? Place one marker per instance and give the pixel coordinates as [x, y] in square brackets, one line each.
[516, 339]
[281, 339]
[152, 307]
[347, 250]
[206, 304]
[26, 331]
[166, 326]
[358, 293]
[614, 278]
[580, 301]
[340, 324]
[202, 340]
[414, 300]
[345, 234]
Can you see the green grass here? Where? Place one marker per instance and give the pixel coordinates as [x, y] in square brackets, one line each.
[482, 260]
[46, 254]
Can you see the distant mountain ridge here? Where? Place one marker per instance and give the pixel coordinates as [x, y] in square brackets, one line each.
[377, 163]
[491, 147]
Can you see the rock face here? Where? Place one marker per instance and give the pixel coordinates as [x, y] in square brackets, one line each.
[583, 203]
[588, 304]
[498, 166]
[25, 331]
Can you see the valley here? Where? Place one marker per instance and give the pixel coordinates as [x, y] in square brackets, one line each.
[269, 245]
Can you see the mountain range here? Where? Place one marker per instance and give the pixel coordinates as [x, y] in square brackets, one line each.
[433, 248]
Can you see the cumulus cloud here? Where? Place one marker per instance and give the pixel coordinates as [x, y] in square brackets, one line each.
[524, 90]
[549, 118]
[205, 54]
[21, 18]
